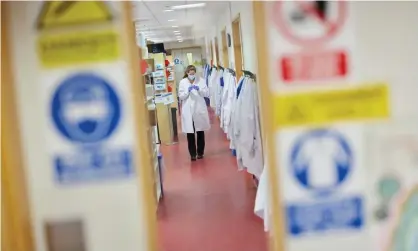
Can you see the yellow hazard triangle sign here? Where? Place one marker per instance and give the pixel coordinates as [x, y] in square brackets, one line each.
[55, 14]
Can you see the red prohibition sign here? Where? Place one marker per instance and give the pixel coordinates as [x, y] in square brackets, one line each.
[331, 27]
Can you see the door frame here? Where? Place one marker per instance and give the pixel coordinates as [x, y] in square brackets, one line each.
[17, 231]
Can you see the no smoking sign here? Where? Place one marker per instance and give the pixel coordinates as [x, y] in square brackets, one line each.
[309, 23]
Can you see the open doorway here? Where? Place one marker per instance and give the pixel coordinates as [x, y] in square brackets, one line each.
[236, 36]
[225, 59]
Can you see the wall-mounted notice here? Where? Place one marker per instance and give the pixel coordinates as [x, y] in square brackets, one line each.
[78, 48]
[61, 14]
[322, 181]
[349, 104]
[314, 37]
[157, 74]
[69, 48]
[310, 23]
[86, 112]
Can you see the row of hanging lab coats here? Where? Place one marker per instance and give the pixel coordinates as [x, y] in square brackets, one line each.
[236, 104]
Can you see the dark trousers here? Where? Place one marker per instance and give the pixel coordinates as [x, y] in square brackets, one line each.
[191, 141]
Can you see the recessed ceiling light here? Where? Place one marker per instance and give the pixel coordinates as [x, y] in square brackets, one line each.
[180, 41]
[175, 26]
[168, 10]
[176, 31]
[171, 20]
[188, 6]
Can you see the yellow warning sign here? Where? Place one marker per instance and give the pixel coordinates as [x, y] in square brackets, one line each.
[316, 108]
[78, 48]
[65, 13]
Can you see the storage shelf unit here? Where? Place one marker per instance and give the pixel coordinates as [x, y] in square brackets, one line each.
[153, 137]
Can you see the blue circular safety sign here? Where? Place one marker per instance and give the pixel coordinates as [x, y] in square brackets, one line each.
[176, 61]
[321, 160]
[85, 108]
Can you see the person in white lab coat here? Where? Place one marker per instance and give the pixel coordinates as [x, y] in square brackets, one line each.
[194, 112]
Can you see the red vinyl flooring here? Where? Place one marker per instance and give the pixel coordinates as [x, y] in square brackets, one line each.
[208, 204]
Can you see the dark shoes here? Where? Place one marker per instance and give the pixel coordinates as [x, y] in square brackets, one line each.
[193, 158]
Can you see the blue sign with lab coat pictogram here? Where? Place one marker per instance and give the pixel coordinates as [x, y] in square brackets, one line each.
[86, 111]
[321, 161]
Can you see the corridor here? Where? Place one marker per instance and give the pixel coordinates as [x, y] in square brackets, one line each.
[208, 204]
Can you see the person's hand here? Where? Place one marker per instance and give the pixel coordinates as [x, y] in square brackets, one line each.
[191, 88]
[196, 87]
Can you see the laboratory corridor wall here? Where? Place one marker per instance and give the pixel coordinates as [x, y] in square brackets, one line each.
[244, 10]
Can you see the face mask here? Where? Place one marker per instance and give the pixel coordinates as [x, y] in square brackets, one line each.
[191, 77]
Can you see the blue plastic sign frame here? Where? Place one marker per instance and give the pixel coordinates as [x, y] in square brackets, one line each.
[328, 209]
[86, 112]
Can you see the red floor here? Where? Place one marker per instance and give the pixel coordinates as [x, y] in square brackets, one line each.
[208, 204]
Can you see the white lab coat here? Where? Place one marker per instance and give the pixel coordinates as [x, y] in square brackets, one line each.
[226, 77]
[262, 206]
[212, 87]
[237, 128]
[231, 126]
[227, 101]
[218, 93]
[248, 131]
[194, 107]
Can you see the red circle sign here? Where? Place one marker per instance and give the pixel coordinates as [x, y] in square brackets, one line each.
[308, 10]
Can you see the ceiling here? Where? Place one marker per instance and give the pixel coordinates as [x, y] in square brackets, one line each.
[178, 25]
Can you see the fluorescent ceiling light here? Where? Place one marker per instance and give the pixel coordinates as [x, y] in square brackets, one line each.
[176, 31]
[187, 6]
[168, 10]
[180, 41]
[171, 20]
[175, 26]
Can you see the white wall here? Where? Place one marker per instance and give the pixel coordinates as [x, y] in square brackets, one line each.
[388, 51]
[249, 50]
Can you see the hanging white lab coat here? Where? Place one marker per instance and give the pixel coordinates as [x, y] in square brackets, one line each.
[238, 125]
[218, 94]
[262, 206]
[249, 140]
[231, 126]
[212, 87]
[193, 109]
[226, 77]
[227, 101]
